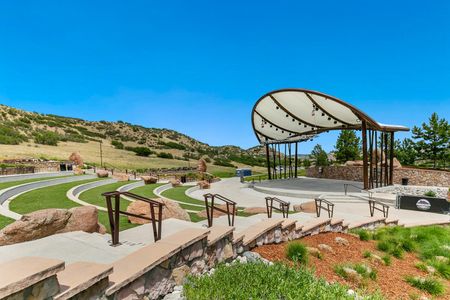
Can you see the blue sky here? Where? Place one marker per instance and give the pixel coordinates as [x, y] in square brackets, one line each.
[199, 66]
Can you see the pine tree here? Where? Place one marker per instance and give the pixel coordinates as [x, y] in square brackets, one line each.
[320, 156]
[405, 151]
[433, 139]
[347, 146]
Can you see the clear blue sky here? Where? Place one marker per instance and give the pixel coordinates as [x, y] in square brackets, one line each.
[199, 66]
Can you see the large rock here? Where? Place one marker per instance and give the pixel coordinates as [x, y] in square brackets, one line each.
[307, 207]
[171, 210]
[75, 157]
[78, 171]
[46, 222]
[354, 163]
[201, 166]
[255, 210]
[175, 182]
[149, 179]
[121, 177]
[102, 174]
[204, 184]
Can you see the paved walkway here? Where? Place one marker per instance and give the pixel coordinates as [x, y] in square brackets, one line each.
[9, 178]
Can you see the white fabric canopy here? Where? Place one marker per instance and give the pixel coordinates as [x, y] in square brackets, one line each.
[292, 115]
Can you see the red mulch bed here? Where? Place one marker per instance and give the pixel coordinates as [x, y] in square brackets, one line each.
[390, 279]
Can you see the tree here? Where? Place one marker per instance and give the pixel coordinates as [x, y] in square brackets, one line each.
[433, 139]
[347, 146]
[320, 156]
[306, 163]
[405, 151]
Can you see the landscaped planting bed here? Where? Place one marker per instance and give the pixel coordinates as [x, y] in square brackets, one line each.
[401, 270]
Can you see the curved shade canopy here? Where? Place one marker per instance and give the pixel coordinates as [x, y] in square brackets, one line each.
[293, 115]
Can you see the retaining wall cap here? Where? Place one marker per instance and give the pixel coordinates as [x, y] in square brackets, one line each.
[18, 274]
[80, 276]
[314, 223]
[218, 232]
[255, 231]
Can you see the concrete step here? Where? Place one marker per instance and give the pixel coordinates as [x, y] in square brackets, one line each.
[80, 276]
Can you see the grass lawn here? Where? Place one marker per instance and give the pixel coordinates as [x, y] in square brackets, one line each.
[178, 193]
[261, 281]
[94, 196]
[5, 221]
[146, 190]
[5, 185]
[55, 197]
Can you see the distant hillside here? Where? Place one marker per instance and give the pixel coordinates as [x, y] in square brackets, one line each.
[124, 145]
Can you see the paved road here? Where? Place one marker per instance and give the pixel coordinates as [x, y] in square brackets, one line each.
[312, 184]
[9, 178]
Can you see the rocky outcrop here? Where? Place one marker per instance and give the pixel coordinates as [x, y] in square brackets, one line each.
[149, 179]
[46, 222]
[75, 157]
[102, 174]
[171, 209]
[201, 166]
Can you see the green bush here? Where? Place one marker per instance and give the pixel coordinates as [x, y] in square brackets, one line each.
[363, 235]
[297, 252]
[174, 145]
[386, 259]
[430, 194]
[9, 136]
[383, 246]
[223, 162]
[260, 281]
[367, 254]
[45, 137]
[429, 284]
[117, 144]
[142, 151]
[362, 269]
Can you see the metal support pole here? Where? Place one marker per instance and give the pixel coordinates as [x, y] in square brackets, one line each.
[391, 162]
[364, 146]
[296, 159]
[268, 162]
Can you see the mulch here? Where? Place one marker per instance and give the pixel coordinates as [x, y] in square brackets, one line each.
[390, 279]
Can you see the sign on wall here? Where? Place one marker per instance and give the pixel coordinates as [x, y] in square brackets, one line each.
[423, 203]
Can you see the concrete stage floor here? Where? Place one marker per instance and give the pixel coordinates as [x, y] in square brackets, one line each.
[305, 186]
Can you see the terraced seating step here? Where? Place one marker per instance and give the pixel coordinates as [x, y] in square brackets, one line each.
[19, 274]
[80, 276]
[366, 222]
[255, 231]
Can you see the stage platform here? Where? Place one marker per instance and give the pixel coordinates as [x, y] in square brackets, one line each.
[306, 187]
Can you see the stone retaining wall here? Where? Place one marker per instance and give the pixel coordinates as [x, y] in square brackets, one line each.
[421, 177]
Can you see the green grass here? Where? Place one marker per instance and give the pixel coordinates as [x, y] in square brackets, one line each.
[261, 281]
[94, 196]
[5, 185]
[146, 190]
[365, 271]
[195, 218]
[5, 221]
[297, 252]
[428, 284]
[55, 197]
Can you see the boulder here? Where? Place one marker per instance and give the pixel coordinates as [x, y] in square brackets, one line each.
[352, 274]
[255, 210]
[47, 222]
[204, 184]
[396, 163]
[341, 241]
[75, 157]
[149, 179]
[325, 247]
[78, 171]
[175, 182]
[121, 177]
[201, 166]
[314, 252]
[307, 207]
[84, 218]
[171, 210]
[102, 174]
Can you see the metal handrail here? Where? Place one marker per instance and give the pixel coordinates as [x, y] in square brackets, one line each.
[319, 207]
[210, 207]
[384, 208]
[283, 206]
[114, 213]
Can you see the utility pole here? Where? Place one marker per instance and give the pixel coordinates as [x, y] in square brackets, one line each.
[101, 154]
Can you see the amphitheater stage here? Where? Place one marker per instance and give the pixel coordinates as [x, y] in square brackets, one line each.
[307, 187]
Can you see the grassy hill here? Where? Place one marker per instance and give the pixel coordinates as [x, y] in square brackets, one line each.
[125, 146]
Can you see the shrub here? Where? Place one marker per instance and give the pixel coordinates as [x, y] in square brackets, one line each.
[142, 151]
[9, 136]
[383, 246]
[386, 259]
[260, 281]
[165, 155]
[174, 145]
[430, 194]
[429, 284]
[363, 235]
[397, 252]
[362, 269]
[45, 137]
[367, 254]
[223, 162]
[117, 144]
[297, 252]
